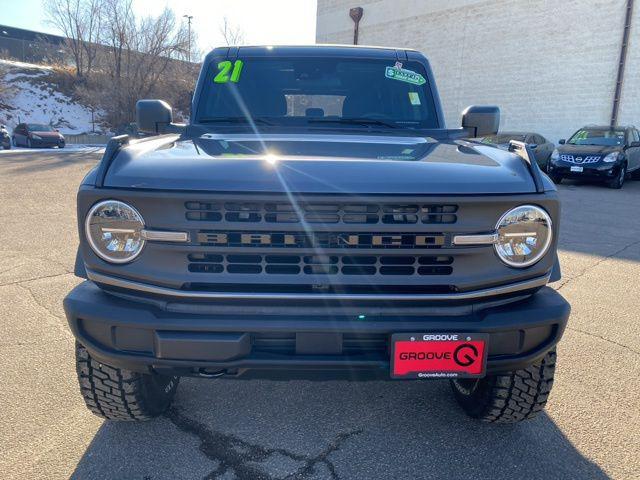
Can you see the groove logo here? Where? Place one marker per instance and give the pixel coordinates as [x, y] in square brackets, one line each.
[459, 358]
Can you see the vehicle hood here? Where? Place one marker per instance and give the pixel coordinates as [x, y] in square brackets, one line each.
[444, 167]
[588, 149]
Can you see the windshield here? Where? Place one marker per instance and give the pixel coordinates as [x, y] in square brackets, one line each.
[36, 127]
[318, 93]
[603, 137]
[502, 138]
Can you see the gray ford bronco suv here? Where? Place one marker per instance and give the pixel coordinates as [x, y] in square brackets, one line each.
[316, 218]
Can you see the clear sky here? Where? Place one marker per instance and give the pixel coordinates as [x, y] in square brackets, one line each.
[262, 21]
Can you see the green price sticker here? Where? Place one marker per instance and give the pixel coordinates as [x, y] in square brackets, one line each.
[403, 75]
[229, 72]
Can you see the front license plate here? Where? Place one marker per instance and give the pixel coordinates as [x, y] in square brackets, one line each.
[577, 169]
[438, 355]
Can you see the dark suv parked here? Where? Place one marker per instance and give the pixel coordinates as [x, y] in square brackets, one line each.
[602, 153]
[316, 216]
[37, 135]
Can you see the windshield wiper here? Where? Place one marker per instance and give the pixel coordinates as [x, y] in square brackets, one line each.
[367, 122]
[243, 120]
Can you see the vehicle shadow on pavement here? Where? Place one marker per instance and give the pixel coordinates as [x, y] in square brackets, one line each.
[220, 429]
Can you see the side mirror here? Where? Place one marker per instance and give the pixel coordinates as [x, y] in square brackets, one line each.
[153, 116]
[481, 120]
[562, 141]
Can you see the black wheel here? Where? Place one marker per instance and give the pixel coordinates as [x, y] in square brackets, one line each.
[61, 145]
[618, 182]
[7, 146]
[508, 398]
[557, 179]
[119, 394]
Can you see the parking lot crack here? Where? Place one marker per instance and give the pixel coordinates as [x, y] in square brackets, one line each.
[242, 458]
[596, 264]
[613, 342]
[40, 304]
[26, 280]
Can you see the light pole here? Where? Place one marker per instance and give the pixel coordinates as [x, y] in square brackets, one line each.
[188, 17]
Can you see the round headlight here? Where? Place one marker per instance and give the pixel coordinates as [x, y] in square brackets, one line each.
[114, 231]
[524, 236]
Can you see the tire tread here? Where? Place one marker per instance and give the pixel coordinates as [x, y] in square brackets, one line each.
[119, 394]
[513, 397]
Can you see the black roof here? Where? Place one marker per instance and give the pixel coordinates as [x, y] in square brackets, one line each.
[29, 35]
[315, 50]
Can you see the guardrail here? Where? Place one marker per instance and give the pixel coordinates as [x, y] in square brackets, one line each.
[87, 139]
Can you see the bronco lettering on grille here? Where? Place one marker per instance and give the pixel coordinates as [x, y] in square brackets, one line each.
[321, 239]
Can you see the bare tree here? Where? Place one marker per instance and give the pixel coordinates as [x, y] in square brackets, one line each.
[139, 58]
[79, 22]
[232, 34]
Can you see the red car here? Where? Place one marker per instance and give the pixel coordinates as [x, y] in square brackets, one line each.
[37, 135]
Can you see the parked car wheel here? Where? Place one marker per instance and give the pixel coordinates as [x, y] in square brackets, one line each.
[7, 146]
[618, 182]
[61, 145]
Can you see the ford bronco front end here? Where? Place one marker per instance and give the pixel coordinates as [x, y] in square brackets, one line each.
[315, 216]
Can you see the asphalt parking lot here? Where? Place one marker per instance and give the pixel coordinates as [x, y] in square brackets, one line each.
[312, 430]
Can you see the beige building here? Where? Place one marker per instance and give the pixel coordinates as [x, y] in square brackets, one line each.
[551, 65]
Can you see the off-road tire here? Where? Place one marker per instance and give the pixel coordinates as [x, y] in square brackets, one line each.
[119, 394]
[509, 398]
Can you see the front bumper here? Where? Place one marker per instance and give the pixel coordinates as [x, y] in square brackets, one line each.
[47, 142]
[206, 338]
[597, 171]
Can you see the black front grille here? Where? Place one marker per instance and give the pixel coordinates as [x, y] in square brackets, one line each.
[404, 265]
[321, 213]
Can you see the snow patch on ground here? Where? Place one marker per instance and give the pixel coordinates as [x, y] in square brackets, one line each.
[13, 63]
[32, 99]
[49, 151]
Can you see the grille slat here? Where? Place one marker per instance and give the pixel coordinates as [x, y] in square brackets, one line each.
[325, 213]
[321, 265]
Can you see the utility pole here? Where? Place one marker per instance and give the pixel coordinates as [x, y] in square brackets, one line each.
[188, 17]
[621, 63]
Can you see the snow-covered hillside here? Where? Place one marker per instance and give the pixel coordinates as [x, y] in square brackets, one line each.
[31, 98]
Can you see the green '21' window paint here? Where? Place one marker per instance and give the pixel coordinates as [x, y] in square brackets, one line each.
[223, 71]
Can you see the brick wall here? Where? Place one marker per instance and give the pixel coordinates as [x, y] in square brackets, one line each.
[550, 66]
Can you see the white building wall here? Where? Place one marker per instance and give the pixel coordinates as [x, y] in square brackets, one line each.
[550, 65]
